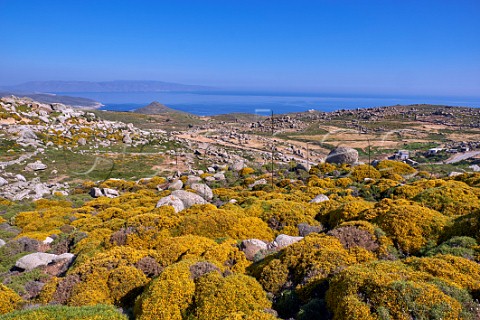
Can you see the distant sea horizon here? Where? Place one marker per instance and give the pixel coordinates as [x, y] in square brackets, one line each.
[213, 103]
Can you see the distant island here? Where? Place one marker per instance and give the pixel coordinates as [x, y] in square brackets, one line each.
[104, 86]
[78, 102]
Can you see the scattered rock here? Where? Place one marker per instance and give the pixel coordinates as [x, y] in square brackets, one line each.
[237, 166]
[35, 166]
[257, 183]
[475, 167]
[342, 155]
[176, 185]
[95, 192]
[3, 182]
[319, 198]
[251, 247]
[48, 240]
[305, 229]
[455, 173]
[2, 243]
[110, 193]
[20, 178]
[82, 142]
[303, 166]
[219, 176]
[193, 179]
[173, 201]
[104, 192]
[284, 240]
[127, 139]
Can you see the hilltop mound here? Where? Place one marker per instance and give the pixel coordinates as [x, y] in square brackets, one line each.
[157, 108]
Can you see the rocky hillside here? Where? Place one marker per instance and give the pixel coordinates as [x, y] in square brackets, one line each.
[92, 224]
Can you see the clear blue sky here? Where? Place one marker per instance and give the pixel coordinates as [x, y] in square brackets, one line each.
[384, 46]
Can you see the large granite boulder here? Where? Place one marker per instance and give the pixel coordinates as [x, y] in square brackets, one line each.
[35, 260]
[173, 201]
[203, 190]
[342, 155]
[188, 198]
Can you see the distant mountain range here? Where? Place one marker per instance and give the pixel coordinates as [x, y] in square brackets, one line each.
[157, 108]
[105, 86]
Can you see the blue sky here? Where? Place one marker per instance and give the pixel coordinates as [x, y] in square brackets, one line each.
[428, 47]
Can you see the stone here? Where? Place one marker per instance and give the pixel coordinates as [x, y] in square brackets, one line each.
[82, 141]
[35, 166]
[127, 139]
[2, 243]
[41, 190]
[319, 198]
[251, 247]
[303, 166]
[283, 240]
[95, 192]
[48, 240]
[35, 260]
[173, 201]
[219, 176]
[475, 167]
[455, 173]
[21, 195]
[3, 182]
[203, 190]
[258, 182]
[176, 185]
[209, 179]
[342, 155]
[237, 166]
[21, 178]
[193, 179]
[64, 256]
[188, 198]
[28, 134]
[110, 193]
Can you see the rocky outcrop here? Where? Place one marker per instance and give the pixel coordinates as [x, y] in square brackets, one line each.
[19, 188]
[342, 155]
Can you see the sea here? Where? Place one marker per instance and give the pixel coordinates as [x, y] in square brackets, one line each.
[213, 103]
